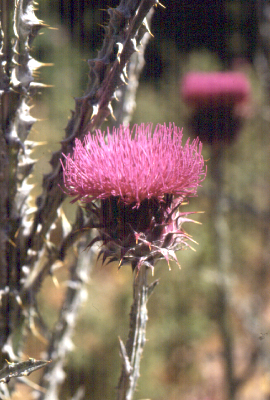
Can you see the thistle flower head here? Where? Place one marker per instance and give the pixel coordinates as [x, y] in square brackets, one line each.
[215, 88]
[134, 165]
[139, 178]
[218, 100]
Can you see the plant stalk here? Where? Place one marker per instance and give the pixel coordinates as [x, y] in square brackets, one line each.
[223, 257]
[131, 353]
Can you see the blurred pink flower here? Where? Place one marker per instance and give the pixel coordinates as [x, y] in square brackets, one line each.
[134, 165]
[219, 101]
[215, 88]
[140, 179]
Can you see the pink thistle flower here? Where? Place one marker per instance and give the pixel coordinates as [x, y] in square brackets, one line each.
[219, 101]
[215, 88]
[144, 167]
[140, 179]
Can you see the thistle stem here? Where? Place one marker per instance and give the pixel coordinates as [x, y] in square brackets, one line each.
[131, 353]
[223, 257]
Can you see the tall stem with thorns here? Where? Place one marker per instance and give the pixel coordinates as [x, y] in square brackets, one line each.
[131, 353]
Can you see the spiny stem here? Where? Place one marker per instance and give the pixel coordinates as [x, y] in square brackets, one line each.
[132, 352]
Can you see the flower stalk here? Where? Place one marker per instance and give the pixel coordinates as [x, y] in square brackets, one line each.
[131, 353]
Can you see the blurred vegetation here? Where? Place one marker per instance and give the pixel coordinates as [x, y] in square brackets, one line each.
[184, 357]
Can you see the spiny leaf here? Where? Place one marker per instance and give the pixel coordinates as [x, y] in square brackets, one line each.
[24, 368]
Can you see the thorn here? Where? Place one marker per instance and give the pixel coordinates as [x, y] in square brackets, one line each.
[36, 332]
[152, 287]
[34, 64]
[189, 237]
[120, 49]
[173, 255]
[159, 3]
[55, 281]
[33, 144]
[133, 41]
[40, 85]
[164, 252]
[123, 79]
[125, 72]
[196, 222]
[124, 356]
[192, 248]
[12, 243]
[147, 27]
[95, 110]
[111, 111]
[101, 25]
[19, 301]
[137, 235]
